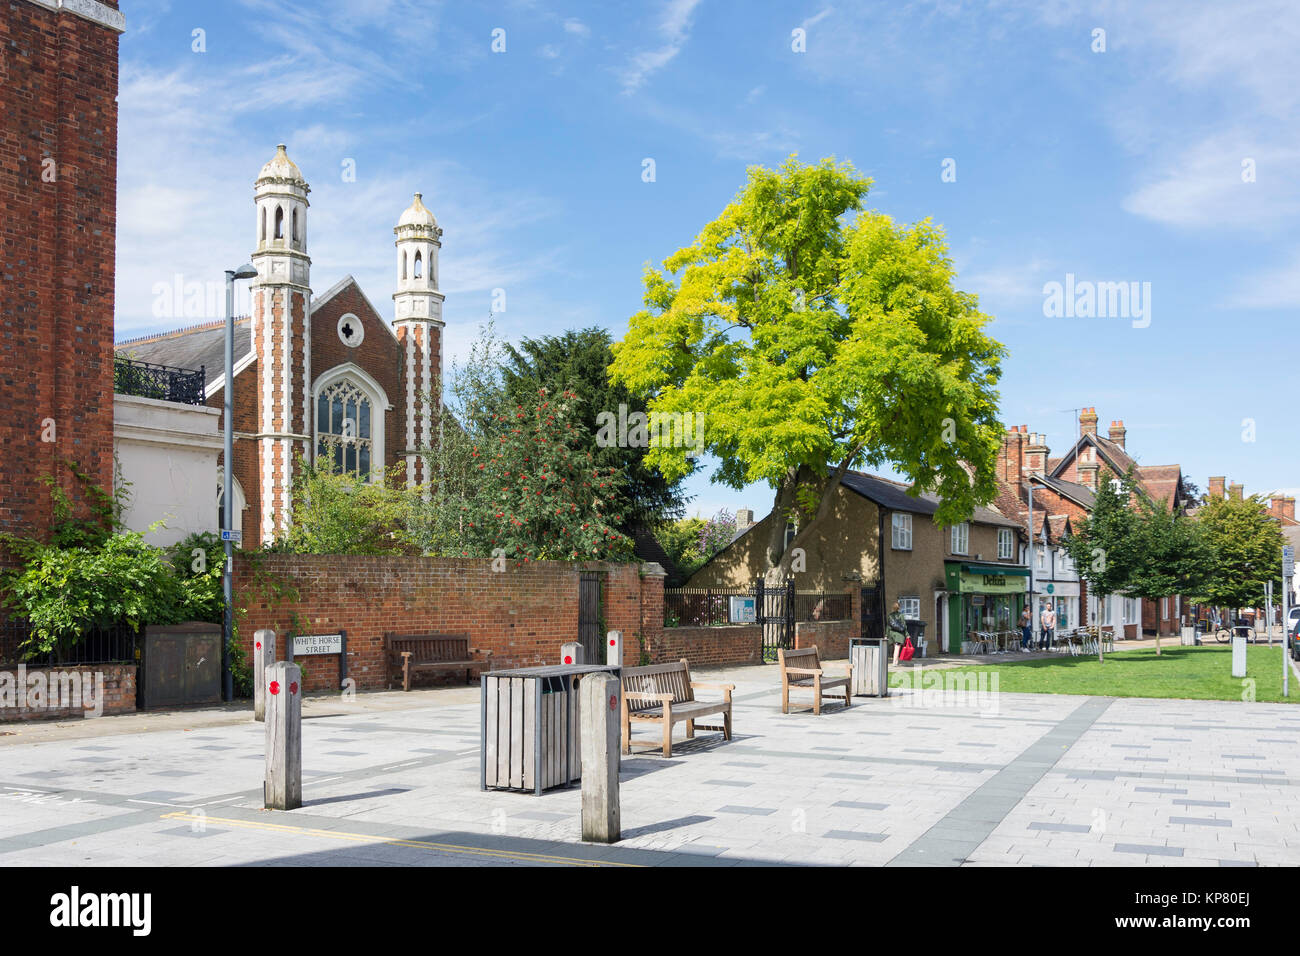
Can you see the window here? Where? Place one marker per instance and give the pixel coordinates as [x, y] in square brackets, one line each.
[1063, 561]
[1130, 610]
[1006, 543]
[1178, 605]
[403, 264]
[1164, 608]
[262, 236]
[902, 537]
[419, 269]
[910, 608]
[279, 222]
[294, 227]
[961, 538]
[1106, 616]
[343, 429]
[791, 528]
[1040, 559]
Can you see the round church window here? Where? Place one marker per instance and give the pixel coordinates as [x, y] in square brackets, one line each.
[351, 331]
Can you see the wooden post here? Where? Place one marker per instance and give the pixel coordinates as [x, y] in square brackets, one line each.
[571, 653]
[599, 715]
[263, 653]
[614, 649]
[283, 787]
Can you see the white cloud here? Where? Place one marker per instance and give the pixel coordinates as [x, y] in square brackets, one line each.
[675, 28]
[577, 27]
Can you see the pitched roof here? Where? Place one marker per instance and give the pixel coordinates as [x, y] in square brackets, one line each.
[1161, 481]
[893, 495]
[1081, 494]
[191, 347]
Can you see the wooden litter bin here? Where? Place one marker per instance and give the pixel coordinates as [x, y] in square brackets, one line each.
[870, 662]
[530, 727]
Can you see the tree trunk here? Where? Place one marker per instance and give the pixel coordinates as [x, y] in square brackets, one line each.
[779, 557]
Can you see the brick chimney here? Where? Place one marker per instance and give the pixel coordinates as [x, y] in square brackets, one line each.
[1117, 432]
[1235, 489]
[1011, 463]
[1088, 421]
[1284, 508]
[1088, 468]
[1036, 453]
[744, 518]
[1217, 485]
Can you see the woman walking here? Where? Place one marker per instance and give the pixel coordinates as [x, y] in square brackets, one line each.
[896, 630]
[1026, 627]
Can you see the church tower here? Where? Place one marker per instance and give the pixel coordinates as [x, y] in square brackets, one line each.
[417, 306]
[281, 297]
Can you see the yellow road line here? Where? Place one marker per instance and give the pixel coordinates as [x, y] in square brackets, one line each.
[369, 838]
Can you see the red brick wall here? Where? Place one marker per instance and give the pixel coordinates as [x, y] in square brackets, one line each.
[58, 96]
[703, 646]
[522, 614]
[118, 690]
[830, 637]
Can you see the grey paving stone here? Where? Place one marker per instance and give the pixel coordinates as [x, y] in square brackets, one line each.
[730, 783]
[849, 776]
[971, 743]
[1200, 821]
[177, 773]
[545, 815]
[701, 849]
[920, 750]
[748, 811]
[742, 763]
[1061, 827]
[345, 753]
[1160, 790]
[1148, 850]
[206, 831]
[855, 835]
[1202, 803]
[1150, 759]
[1243, 757]
[96, 747]
[838, 750]
[1238, 863]
[168, 795]
[858, 805]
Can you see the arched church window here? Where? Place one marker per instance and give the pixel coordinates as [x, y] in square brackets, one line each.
[279, 222]
[343, 430]
[404, 263]
[418, 268]
[262, 235]
[294, 227]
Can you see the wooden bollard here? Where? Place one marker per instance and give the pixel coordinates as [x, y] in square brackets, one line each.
[283, 787]
[571, 653]
[263, 653]
[599, 710]
[614, 649]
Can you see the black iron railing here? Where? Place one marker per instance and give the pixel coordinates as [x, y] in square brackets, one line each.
[164, 382]
[700, 607]
[116, 645]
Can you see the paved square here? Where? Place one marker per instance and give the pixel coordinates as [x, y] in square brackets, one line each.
[1072, 781]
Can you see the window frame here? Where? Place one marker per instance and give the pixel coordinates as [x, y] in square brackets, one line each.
[897, 531]
[1006, 537]
[963, 528]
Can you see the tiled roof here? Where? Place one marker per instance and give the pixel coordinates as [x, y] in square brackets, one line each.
[198, 345]
[1160, 481]
[893, 496]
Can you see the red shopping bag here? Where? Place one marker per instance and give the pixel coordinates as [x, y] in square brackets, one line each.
[908, 650]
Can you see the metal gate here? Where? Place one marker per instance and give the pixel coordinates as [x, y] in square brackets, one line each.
[871, 614]
[774, 609]
[589, 636]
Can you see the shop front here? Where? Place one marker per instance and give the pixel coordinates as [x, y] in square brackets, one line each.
[1063, 596]
[984, 604]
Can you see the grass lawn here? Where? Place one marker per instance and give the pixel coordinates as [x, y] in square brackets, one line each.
[1194, 673]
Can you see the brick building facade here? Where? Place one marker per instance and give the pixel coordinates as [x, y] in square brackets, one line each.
[58, 153]
[317, 376]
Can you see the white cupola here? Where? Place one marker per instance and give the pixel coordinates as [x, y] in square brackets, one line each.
[280, 195]
[418, 241]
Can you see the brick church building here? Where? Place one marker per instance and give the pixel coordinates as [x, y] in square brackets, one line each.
[323, 377]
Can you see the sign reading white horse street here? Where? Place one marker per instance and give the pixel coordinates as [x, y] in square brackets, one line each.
[305, 644]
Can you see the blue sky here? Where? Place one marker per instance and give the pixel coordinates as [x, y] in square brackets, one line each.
[1122, 165]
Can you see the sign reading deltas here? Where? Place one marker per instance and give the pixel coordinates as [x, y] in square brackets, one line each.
[305, 644]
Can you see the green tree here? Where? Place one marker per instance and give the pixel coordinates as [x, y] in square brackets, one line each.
[1105, 548]
[578, 362]
[514, 476]
[681, 541]
[344, 514]
[1174, 556]
[816, 340]
[1247, 547]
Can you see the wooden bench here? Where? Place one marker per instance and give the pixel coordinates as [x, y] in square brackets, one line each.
[408, 653]
[666, 693]
[801, 669]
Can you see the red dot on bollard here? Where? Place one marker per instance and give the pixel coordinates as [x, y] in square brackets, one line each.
[568, 659]
[611, 642]
[259, 645]
[293, 688]
[613, 702]
[275, 687]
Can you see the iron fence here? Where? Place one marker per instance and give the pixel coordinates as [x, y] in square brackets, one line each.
[164, 382]
[115, 645]
[701, 607]
[821, 606]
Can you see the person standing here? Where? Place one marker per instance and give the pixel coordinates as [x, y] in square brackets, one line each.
[1026, 627]
[896, 630]
[1048, 622]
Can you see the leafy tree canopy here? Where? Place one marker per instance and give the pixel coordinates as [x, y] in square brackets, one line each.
[1247, 547]
[816, 337]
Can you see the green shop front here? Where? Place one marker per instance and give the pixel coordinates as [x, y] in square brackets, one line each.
[984, 598]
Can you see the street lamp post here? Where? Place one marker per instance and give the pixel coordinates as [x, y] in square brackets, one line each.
[227, 510]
